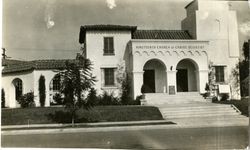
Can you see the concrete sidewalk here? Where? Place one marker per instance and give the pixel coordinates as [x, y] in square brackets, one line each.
[121, 126]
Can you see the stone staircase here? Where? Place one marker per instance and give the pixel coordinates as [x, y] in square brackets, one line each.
[198, 110]
[179, 98]
[191, 108]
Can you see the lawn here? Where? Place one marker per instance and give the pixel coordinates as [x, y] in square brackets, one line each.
[242, 105]
[50, 115]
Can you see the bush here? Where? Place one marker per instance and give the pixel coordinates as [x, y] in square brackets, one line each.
[3, 99]
[26, 100]
[205, 95]
[224, 97]
[214, 99]
[108, 99]
[137, 101]
[207, 87]
[58, 99]
[42, 90]
[92, 97]
[125, 97]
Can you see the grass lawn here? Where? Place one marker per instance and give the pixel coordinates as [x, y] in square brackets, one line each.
[242, 105]
[47, 115]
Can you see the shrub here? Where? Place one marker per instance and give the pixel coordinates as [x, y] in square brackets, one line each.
[214, 99]
[58, 99]
[3, 99]
[205, 95]
[224, 97]
[108, 99]
[137, 101]
[92, 97]
[27, 100]
[207, 87]
[42, 92]
[125, 97]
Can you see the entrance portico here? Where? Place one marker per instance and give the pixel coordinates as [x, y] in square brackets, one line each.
[168, 66]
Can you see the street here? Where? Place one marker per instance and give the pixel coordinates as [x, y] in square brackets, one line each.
[177, 138]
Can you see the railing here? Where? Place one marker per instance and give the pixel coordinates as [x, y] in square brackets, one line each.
[235, 108]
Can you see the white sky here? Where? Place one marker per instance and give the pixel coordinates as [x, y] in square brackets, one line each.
[46, 29]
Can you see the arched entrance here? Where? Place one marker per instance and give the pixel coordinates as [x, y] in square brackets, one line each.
[154, 77]
[18, 84]
[187, 76]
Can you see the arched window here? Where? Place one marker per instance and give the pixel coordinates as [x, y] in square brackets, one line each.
[56, 83]
[18, 84]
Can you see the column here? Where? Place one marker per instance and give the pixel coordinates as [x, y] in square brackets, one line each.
[203, 79]
[171, 81]
[137, 83]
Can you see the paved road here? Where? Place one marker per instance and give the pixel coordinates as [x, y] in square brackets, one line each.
[190, 138]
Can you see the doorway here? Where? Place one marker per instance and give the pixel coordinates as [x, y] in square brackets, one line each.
[182, 80]
[149, 81]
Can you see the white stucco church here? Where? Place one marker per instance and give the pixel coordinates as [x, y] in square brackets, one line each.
[160, 61]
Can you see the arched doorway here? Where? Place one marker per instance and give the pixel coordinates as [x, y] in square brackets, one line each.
[18, 84]
[187, 76]
[154, 77]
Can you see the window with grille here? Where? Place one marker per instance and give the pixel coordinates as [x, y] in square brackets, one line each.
[108, 46]
[109, 77]
[56, 83]
[219, 74]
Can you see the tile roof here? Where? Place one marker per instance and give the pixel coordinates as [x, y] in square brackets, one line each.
[11, 66]
[103, 27]
[161, 34]
[137, 34]
[108, 27]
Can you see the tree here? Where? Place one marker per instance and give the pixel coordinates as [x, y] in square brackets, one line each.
[244, 68]
[125, 97]
[3, 99]
[42, 90]
[76, 80]
[235, 76]
[246, 50]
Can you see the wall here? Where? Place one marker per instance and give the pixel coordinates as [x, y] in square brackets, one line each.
[48, 74]
[27, 80]
[189, 23]
[30, 82]
[94, 48]
[215, 22]
[170, 52]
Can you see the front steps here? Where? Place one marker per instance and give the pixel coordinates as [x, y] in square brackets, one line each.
[190, 108]
[198, 110]
[178, 98]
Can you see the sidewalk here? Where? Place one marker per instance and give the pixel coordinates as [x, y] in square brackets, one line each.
[119, 126]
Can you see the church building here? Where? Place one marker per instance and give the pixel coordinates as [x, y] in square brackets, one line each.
[168, 61]
[165, 62]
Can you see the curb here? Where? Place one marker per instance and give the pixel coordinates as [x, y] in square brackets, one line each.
[99, 124]
[110, 129]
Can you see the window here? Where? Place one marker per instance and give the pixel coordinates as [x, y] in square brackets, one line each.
[56, 83]
[219, 73]
[18, 88]
[108, 46]
[109, 77]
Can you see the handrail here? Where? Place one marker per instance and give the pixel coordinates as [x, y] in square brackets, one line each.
[234, 107]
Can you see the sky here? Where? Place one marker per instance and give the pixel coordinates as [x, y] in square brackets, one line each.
[49, 29]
